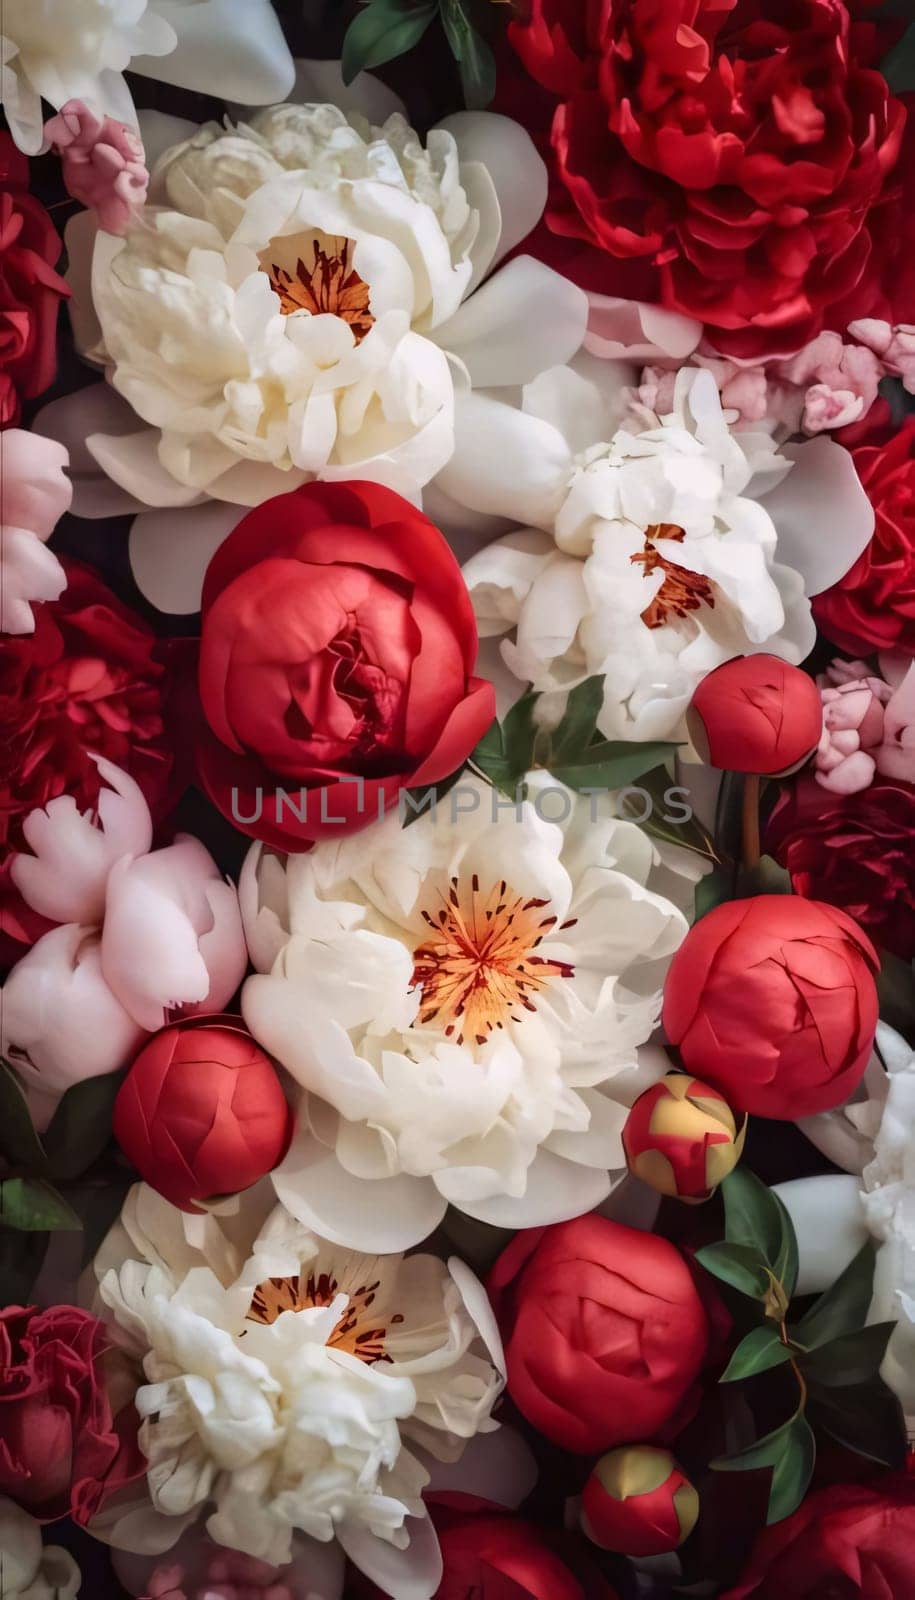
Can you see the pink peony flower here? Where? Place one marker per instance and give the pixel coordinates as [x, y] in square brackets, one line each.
[894, 344]
[868, 727]
[36, 493]
[104, 165]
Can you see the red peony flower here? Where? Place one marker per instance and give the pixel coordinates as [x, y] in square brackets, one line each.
[337, 652]
[504, 1558]
[30, 289]
[773, 1001]
[856, 851]
[756, 714]
[847, 1542]
[873, 606]
[605, 1332]
[202, 1113]
[90, 680]
[734, 152]
[64, 1445]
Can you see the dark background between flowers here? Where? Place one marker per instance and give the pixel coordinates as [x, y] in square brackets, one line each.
[428, 82]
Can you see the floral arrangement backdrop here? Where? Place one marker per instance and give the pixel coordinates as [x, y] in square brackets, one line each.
[457, 785]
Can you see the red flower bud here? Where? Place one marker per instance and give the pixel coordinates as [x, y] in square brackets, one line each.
[605, 1332]
[773, 1000]
[756, 714]
[681, 1137]
[639, 1502]
[201, 1112]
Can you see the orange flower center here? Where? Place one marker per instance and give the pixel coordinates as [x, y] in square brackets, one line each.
[681, 590]
[315, 273]
[479, 969]
[357, 1331]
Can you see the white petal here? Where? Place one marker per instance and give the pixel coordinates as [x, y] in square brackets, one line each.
[507, 152]
[132, 460]
[523, 320]
[66, 876]
[496, 1466]
[171, 550]
[411, 1574]
[556, 1191]
[93, 409]
[829, 1222]
[378, 1216]
[505, 463]
[322, 81]
[80, 235]
[160, 131]
[630, 330]
[236, 52]
[476, 1302]
[823, 516]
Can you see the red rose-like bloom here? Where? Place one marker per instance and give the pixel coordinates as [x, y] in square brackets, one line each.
[201, 1112]
[63, 1450]
[847, 1542]
[338, 645]
[756, 714]
[30, 289]
[873, 606]
[734, 150]
[90, 680]
[773, 1001]
[639, 1501]
[605, 1332]
[856, 851]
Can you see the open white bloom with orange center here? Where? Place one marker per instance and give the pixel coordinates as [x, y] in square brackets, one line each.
[463, 1001]
[311, 295]
[664, 552]
[79, 49]
[294, 1386]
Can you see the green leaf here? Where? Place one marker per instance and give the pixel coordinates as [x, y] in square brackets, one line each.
[665, 821]
[852, 1358]
[866, 1418]
[505, 753]
[766, 877]
[81, 1127]
[739, 1265]
[19, 1143]
[760, 1351]
[473, 55]
[755, 1216]
[712, 890]
[33, 1206]
[898, 67]
[843, 1307]
[384, 30]
[791, 1453]
[420, 802]
[576, 730]
[612, 764]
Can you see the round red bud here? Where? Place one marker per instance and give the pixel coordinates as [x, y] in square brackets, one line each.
[682, 1139]
[638, 1502]
[201, 1112]
[756, 714]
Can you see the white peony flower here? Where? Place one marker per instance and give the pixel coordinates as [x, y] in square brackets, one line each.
[463, 1001]
[668, 551]
[303, 297]
[296, 1388]
[28, 1572]
[874, 1138]
[79, 49]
